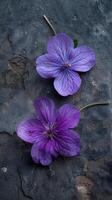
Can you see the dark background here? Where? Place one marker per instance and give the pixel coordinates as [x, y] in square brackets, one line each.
[23, 36]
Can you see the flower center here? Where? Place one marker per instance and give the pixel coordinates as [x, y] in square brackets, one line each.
[50, 134]
[67, 65]
[50, 129]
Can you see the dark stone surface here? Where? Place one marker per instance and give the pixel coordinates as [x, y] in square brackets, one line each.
[23, 36]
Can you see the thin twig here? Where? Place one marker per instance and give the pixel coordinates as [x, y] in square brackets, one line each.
[49, 23]
[94, 104]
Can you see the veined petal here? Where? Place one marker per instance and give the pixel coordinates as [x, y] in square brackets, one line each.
[30, 130]
[69, 143]
[60, 45]
[48, 65]
[68, 117]
[49, 145]
[52, 147]
[40, 155]
[46, 110]
[67, 83]
[82, 59]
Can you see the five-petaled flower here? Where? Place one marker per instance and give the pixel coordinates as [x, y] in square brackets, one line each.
[63, 61]
[51, 131]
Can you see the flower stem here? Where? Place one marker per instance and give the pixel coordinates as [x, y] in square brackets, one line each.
[94, 104]
[49, 23]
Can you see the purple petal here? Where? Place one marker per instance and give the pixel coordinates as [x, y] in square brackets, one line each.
[30, 130]
[52, 147]
[48, 145]
[40, 156]
[48, 65]
[67, 83]
[82, 59]
[69, 143]
[68, 117]
[46, 109]
[60, 45]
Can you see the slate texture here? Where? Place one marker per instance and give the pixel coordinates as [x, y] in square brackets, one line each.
[23, 36]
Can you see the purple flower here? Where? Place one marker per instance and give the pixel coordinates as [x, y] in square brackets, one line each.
[62, 62]
[51, 132]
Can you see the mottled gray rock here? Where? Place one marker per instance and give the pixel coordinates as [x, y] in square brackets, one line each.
[23, 36]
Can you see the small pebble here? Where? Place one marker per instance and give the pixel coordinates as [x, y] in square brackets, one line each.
[4, 169]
